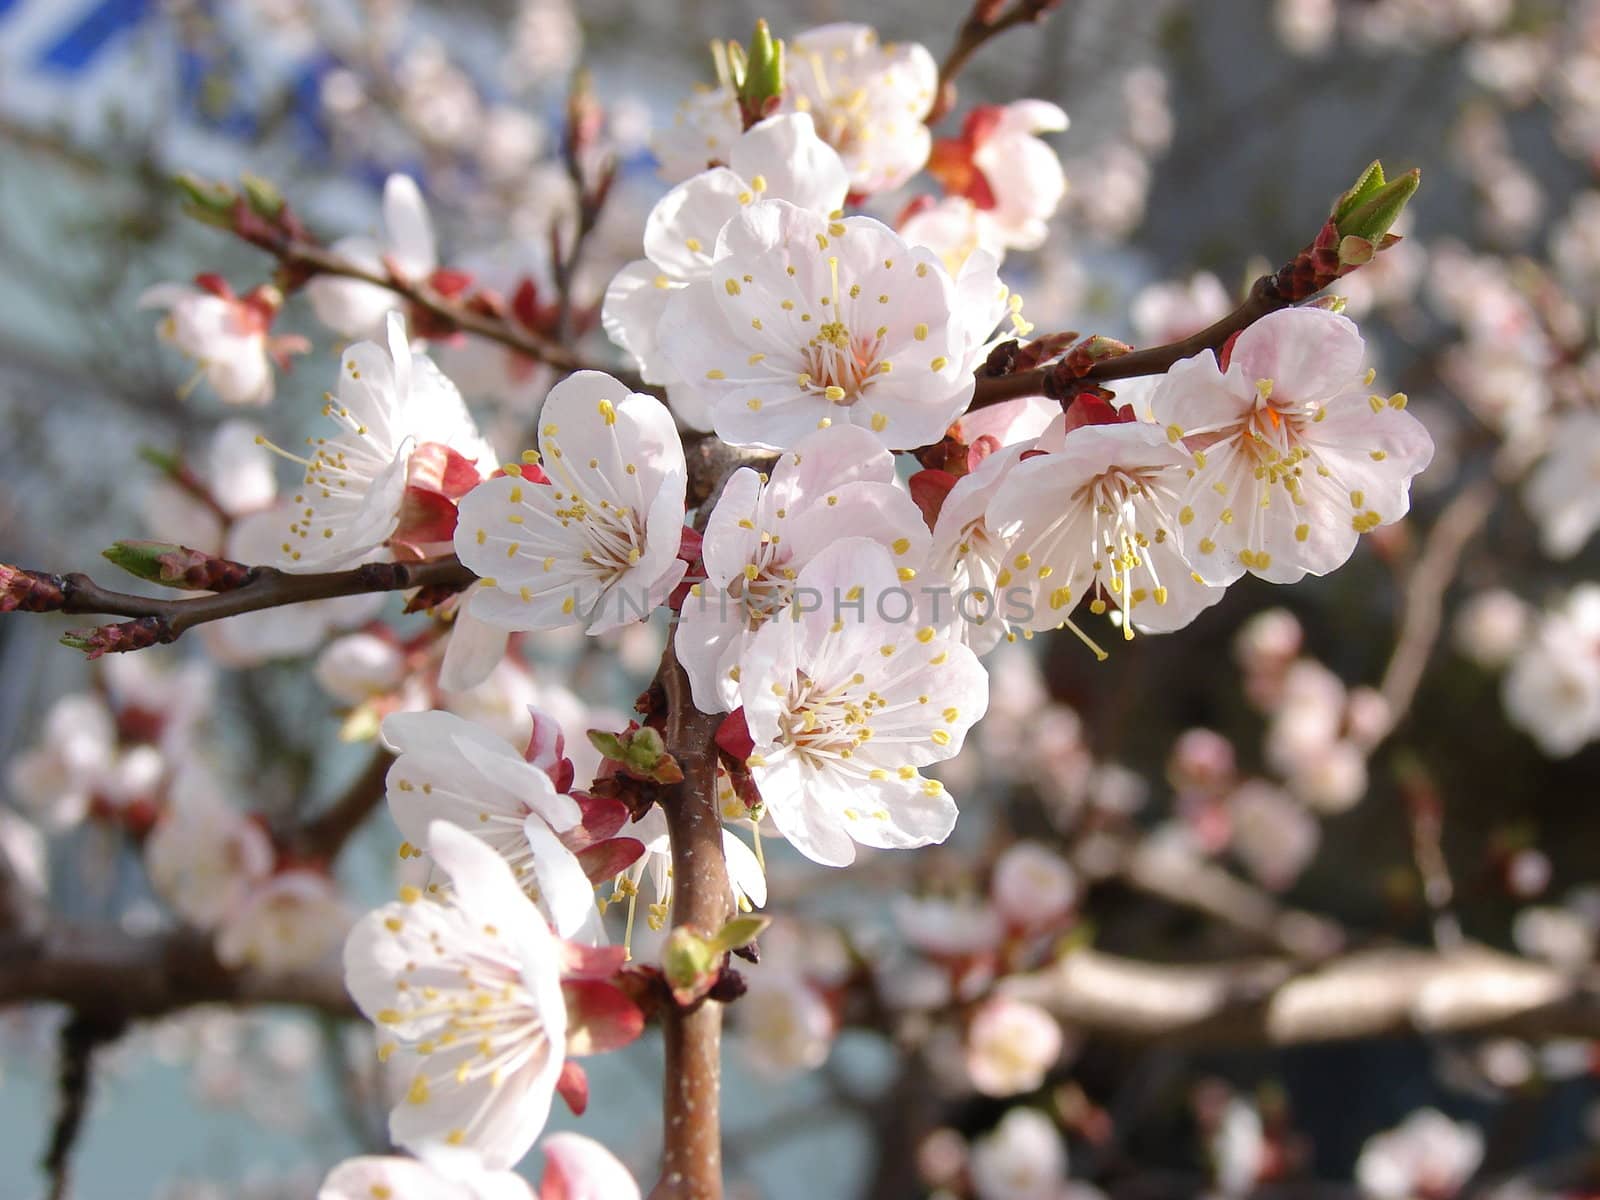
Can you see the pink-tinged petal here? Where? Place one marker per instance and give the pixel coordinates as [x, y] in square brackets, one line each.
[606, 860]
[1309, 353]
[591, 962]
[600, 1018]
[579, 1168]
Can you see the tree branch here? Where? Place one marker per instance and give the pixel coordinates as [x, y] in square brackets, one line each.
[321, 838]
[307, 259]
[1265, 297]
[691, 1167]
[1367, 994]
[163, 620]
[983, 23]
[1429, 580]
[109, 974]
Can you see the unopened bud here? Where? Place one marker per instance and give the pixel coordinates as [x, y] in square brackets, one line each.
[688, 963]
[119, 639]
[206, 200]
[1372, 207]
[758, 74]
[263, 195]
[178, 566]
[640, 752]
[30, 591]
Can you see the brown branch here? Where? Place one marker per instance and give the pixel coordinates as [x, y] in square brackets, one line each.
[1186, 880]
[983, 23]
[1369, 994]
[164, 620]
[691, 1167]
[109, 974]
[1265, 297]
[305, 259]
[321, 838]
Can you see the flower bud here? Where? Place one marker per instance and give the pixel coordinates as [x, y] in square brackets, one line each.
[354, 668]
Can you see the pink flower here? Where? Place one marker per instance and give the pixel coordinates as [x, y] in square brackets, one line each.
[1011, 1046]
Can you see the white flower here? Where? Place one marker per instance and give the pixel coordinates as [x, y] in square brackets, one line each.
[953, 228]
[1426, 1157]
[1553, 688]
[837, 482]
[593, 537]
[1491, 627]
[288, 922]
[395, 1178]
[1171, 311]
[234, 470]
[1563, 493]
[787, 1026]
[1099, 517]
[1013, 178]
[226, 335]
[868, 99]
[450, 770]
[846, 701]
[55, 780]
[26, 855]
[949, 929]
[1294, 456]
[1272, 835]
[1022, 1158]
[1238, 1148]
[805, 322]
[1033, 887]
[359, 666]
[204, 856]
[1011, 1046]
[962, 597]
[404, 428]
[358, 309]
[781, 158]
[746, 875]
[704, 129]
[481, 1074]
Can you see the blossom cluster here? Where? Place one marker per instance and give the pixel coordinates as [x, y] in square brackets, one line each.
[841, 597]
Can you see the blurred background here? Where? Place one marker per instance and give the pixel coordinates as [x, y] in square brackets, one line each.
[1404, 749]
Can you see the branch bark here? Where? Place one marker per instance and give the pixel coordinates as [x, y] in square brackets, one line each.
[109, 974]
[1265, 297]
[268, 587]
[1393, 992]
[977, 30]
[691, 1167]
[309, 259]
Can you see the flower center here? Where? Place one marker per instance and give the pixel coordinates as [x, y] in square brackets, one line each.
[839, 364]
[826, 724]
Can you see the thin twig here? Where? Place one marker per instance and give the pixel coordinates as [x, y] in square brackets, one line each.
[166, 619]
[983, 23]
[80, 1037]
[324, 835]
[1265, 297]
[1426, 586]
[310, 259]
